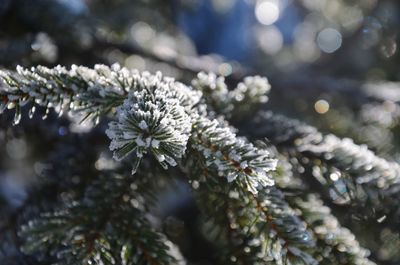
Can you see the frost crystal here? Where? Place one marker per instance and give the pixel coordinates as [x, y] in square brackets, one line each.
[232, 157]
[253, 88]
[238, 102]
[153, 119]
[92, 91]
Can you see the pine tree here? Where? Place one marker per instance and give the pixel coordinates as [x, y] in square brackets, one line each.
[106, 145]
[156, 120]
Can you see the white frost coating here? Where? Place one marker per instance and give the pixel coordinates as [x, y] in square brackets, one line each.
[93, 91]
[139, 141]
[235, 156]
[231, 157]
[252, 91]
[231, 177]
[155, 143]
[143, 125]
[154, 119]
[357, 159]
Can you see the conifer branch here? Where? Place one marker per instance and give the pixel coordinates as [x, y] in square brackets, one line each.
[243, 100]
[154, 116]
[331, 159]
[260, 229]
[335, 244]
[339, 242]
[231, 157]
[92, 91]
[108, 229]
[285, 135]
[261, 199]
[177, 124]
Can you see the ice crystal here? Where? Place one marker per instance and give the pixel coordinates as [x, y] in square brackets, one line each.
[153, 119]
[232, 157]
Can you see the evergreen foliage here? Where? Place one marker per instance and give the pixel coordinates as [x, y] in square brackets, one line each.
[253, 196]
[122, 143]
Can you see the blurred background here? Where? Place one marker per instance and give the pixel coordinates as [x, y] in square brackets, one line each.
[341, 38]
[332, 63]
